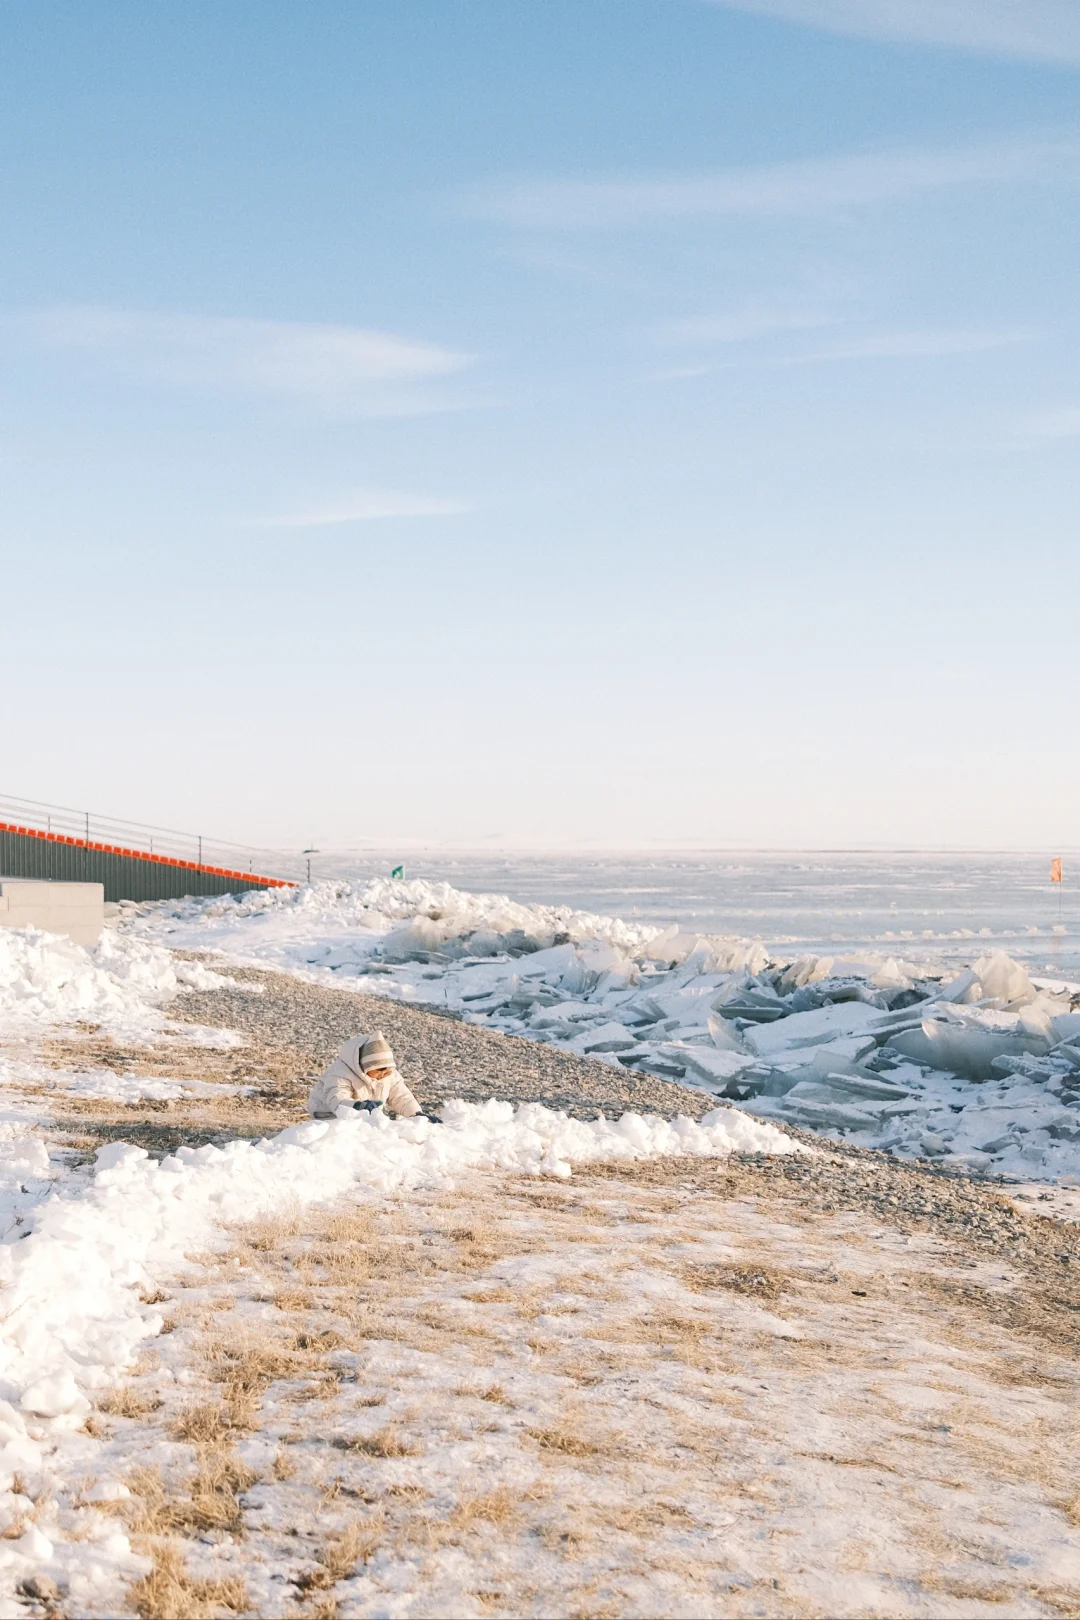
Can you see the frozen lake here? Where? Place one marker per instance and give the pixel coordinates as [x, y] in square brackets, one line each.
[920, 905]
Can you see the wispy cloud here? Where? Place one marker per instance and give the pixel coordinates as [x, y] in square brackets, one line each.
[342, 365]
[882, 345]
[914, 345]
[1043, 30]
[738, 326]
[365, 506]
[812, 186]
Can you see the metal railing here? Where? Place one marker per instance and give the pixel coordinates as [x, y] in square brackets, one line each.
[137, 840]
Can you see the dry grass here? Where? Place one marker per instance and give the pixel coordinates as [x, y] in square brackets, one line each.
[293, 1300]
[385, 1442]
[284, 1467]
[337, 1560]
[127, 1402]
[501, 1507]
[759, 1282]
[168, 1592]
[203, 1424]
[565, 1441]
[212, 1503]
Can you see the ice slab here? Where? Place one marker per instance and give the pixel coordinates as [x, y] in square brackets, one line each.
[968, 1049]
[812, 1028]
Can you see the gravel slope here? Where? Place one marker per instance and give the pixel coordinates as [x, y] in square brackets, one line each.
[438, 1054]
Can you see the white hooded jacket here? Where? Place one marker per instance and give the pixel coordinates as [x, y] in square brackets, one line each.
[344, 1081]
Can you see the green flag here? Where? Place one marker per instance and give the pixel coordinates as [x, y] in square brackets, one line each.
[398, 871]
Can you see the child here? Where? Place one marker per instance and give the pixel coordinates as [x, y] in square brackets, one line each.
[364, 1074]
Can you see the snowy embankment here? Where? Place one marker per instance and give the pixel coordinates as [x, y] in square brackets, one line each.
[121, 986]
[979, 1069]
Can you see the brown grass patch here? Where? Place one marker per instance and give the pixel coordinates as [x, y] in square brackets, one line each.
[385, 1442]
[759, 1282]
[293, 1299]
[203, 1424]
[168, 1592]
[284, 1467]
[564, 1441]
[124, 1401]
[213, 1502]
[338, 1559]
[320, 1340]
[501, 1507]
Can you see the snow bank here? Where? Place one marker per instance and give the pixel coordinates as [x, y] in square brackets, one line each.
[72, 1312]
[47, 979]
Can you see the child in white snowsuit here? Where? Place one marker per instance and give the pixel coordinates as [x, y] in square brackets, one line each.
[363, 1074]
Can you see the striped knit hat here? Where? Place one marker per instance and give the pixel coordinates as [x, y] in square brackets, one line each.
[376, 1053]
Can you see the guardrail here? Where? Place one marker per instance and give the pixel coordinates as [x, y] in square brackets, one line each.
[133, 860]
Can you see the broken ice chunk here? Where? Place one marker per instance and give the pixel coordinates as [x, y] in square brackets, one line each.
[611, 1037]
[757, 1002]
[811, 1028]
[1003, 980]
[966, 1047]
[827, 1114]
[705, 1061]
[724, 1035]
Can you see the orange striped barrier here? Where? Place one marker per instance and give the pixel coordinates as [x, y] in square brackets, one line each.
[145, 855]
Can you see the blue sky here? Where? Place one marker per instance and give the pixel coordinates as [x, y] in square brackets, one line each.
[653, 421]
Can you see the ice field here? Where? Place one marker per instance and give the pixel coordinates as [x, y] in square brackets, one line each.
[849, 901]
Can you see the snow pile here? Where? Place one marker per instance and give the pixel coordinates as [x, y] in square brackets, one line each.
[401, 921]
[73, 1317]
[48, 979]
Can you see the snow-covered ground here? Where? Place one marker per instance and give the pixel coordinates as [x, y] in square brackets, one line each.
[91, 1253]
[86, 1250]
[978, 1066]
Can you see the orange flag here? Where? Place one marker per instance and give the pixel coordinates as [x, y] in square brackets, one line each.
[1055, 869]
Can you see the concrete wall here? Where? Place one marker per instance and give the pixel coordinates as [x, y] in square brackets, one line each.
[76, 909]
